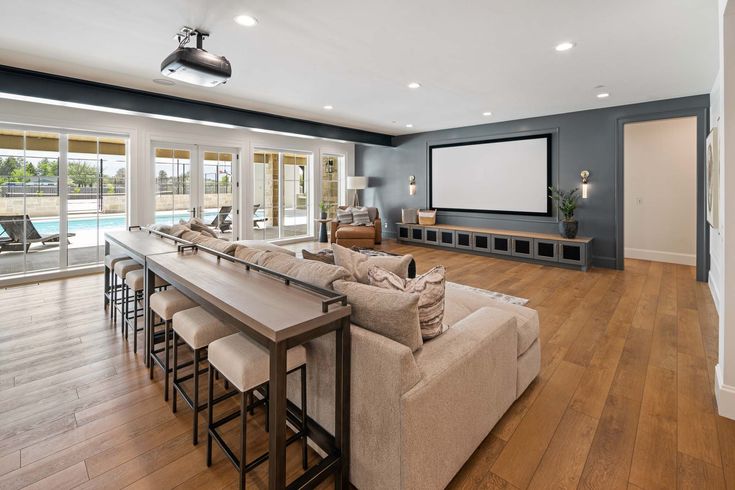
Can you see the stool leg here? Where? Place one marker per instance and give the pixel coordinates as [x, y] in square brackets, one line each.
[135, 323]
[267, 408]
[197, 352]
[303, 417]
[243, 436]
[210, 409]
[167, 349]
[113, 312]
[125, 305]
[176, 371]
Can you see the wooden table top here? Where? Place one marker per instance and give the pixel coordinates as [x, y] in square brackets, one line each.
[141, 243]
[262, 302]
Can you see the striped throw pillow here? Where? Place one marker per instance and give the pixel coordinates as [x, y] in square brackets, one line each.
[430, 287]
[344, 216]
[360, 216]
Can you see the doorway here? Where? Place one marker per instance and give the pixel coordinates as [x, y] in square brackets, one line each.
[660, 190]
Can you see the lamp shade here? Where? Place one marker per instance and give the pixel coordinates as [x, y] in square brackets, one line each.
[356, 182]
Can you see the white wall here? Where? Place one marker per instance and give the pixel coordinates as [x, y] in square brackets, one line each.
[143, 130]
[660, 190]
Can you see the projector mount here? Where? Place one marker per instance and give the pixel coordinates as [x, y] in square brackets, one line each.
[185, 33]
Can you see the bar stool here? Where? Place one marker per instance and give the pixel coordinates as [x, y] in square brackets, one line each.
[165, 304]
[121, 269]
[246, 365]
[135, 281]
[110, 278]
[197, 329]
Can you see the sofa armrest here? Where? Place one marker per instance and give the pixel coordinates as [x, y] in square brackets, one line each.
[333, 235]
[381, 371]
[378, 231]
[468, 382]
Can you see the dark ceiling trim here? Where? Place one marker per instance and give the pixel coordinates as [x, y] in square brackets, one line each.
[44, 85]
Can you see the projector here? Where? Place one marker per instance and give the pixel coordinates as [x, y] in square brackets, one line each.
[195, 65]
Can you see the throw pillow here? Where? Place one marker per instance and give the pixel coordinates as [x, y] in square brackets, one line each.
[178, 230]
[190, 235]
[392, 314]
[360, 216]
[200, 226]
[344, 216]
[358, 264]
[327, 259]
[430, 288]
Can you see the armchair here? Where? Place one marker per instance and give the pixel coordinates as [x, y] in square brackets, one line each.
[348, 235]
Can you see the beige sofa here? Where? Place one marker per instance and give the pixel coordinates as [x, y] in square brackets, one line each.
[416, 418]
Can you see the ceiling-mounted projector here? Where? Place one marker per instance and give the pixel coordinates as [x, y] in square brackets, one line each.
[195, 65]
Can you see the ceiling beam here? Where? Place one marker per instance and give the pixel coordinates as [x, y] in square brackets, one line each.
[29, 83]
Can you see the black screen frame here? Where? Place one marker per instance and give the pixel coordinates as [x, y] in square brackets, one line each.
[547, 136]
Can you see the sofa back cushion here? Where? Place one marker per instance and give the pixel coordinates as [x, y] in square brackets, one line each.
[392, 314]
[310, 271]
[197, 224]
[358, 264]
[430, 288]
[178, 230]
[222, 246]
[189, 235]
[252, 255]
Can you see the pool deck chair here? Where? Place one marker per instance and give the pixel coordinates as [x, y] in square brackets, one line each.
[220, 221]
[258, 220]
[13, 228]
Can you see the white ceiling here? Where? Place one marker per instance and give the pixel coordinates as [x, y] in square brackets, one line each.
[470, 56]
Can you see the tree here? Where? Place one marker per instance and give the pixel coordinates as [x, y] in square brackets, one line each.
[8, 165]
[82, 174]
[120, 174]
[48, 168]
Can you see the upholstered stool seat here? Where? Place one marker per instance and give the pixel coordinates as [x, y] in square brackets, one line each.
[122, 267]
[112, 259]
[136, 280]
[246, 364]
[111, 286]
[165, 304]
[197, 329]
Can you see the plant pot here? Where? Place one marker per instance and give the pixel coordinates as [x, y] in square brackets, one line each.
[568, 228]
[324, 215]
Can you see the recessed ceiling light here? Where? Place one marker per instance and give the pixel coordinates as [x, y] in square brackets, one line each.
[565, 46]
[328, 107]
[246, 20]
[409, 125]
[414, 85]
[487, 113]
[163, 81]
[603, 95]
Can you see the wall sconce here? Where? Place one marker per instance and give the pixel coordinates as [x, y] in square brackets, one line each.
[412, 185]
[585, 179]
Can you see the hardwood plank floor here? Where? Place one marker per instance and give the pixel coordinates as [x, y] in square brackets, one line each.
[624, 398]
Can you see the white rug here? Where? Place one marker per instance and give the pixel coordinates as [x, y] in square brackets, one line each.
[504, 298]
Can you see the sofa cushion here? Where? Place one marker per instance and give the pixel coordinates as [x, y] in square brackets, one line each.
[392, 314]
[352, 232]
[358, 264]
[252, 255]
[189, 235]
[264, 245]
[178, 230]
[197, 224]
[430, 288]
[312, 272]
[461, 303]
[222, 246]
[327, 259]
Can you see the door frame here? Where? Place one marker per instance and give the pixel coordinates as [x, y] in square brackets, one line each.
[702, 115]
[235, 183]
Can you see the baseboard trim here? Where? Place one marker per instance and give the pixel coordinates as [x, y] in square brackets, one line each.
[714, 291]
[725, 395]
[661, 256]
[604, 262]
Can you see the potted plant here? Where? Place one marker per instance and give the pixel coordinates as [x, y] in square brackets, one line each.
[324, 206]
[566, 201]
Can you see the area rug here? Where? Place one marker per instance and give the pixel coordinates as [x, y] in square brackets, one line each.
[503, 298]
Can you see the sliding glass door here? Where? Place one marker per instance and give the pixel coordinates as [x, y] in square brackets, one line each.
[282, 194]
[59, 193]
[217, 203]
[173, 183]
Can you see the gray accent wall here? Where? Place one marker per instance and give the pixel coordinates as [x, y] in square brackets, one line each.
[584, 140]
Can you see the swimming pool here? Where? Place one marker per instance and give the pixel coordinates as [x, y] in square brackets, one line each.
[106, 223]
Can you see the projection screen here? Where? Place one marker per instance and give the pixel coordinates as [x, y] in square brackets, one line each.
[506, 176]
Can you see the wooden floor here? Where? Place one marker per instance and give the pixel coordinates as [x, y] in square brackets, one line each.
[624, 398]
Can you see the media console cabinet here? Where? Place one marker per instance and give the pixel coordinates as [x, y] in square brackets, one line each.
[542, 247]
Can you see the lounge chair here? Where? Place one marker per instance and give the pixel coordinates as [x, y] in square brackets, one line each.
[220, 221]
[14, 241]
[258, 220]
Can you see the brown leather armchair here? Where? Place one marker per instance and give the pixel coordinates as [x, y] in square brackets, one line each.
[358, 236]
